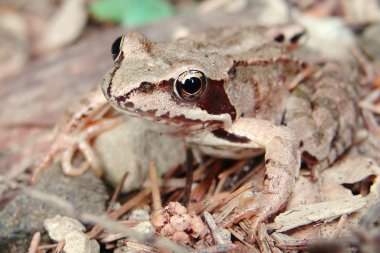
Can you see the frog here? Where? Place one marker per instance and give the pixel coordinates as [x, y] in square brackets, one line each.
[230, 93]
[238, 94]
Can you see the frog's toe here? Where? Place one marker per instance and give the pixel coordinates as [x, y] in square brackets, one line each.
[67, 164]
[257, 209]
[259, 218]
[80, 143]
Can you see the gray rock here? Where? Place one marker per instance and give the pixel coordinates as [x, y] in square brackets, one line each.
[72, 231]
[369, 41]
[139, 214]
[23, 216]
[131, 147]
[59, 226]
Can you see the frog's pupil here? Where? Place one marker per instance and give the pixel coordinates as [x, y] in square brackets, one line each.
[192, 85]
[115, 48]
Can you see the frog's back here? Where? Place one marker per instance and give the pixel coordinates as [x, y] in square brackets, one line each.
[323, 111]
[322, 108]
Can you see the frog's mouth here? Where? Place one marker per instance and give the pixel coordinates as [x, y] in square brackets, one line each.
[175, 124]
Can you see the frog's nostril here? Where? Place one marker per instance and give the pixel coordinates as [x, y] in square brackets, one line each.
[279, 38]
[129, 105]
[146, 87]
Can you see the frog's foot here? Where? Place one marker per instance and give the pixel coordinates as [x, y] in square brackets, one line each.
[68, 143]
[257, 210]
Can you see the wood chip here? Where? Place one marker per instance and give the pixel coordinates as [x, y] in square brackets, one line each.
[323, 211]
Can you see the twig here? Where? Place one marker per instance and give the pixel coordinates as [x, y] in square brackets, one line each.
[36, 239]
[131, 203]
[214, 229]
[247, 178]
[368, 102]
[231, 196]
[47, 247]
[262, 241]
[156, 196]
[225, 174]
[189, 177]
[211, 189]
[123, 209]
[199, 207]
[305, 73]
[200, 191]
[116, 194]
[60, 246]
[241, 238]
[364, 63]
[220, 248]
[140, 247]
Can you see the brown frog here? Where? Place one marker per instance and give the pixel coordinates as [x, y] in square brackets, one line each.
[235, 95]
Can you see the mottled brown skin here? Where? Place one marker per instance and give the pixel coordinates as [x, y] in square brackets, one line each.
[247, 106]
[324, 111]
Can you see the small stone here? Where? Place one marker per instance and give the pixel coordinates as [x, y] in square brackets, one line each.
[159, 218]
[198, 228]
[139, 214]
[144, 227]
[58, 227]
[175, 222]
[72, 231]
[181, 238]
[176, 208]
[180, 222]
[78, 242]
[369, 41]
[168, 230]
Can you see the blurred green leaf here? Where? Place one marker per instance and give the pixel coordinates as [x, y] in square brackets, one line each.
[131, 12]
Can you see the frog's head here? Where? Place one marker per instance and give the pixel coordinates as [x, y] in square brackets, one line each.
[178, 84]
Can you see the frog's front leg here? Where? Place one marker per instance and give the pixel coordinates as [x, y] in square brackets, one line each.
[85, 122]
[282, 159]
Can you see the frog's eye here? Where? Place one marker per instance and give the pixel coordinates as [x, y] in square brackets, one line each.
[190, 85]
[115, 48]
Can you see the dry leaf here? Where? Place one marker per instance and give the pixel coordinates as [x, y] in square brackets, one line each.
[327, 210]
[334, 188]
[66, 26]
